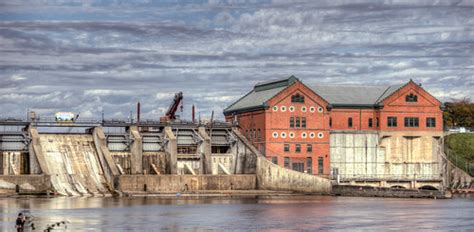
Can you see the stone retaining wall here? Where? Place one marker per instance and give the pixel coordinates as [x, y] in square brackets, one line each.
[183, 183]
[33, 184]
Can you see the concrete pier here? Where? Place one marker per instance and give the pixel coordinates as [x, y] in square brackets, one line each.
[136, 151]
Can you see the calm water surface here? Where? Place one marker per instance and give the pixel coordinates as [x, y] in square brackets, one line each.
[304, 213]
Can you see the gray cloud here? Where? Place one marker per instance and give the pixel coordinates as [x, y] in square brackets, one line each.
[104, 56]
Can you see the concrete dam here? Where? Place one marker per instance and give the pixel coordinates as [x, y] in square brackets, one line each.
[115, 158]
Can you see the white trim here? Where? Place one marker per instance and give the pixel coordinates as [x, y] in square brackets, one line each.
[304, 135]
[291, 134]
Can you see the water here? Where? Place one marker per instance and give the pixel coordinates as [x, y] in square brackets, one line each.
[306, 213]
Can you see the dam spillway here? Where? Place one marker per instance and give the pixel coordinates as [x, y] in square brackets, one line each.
[73, 164]
[105, 159]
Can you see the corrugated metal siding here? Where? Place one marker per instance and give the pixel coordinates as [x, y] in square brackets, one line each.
[185, 138]
[117, 143]
[152, 143]
[219, 138]
[12, 143]
[117, 147]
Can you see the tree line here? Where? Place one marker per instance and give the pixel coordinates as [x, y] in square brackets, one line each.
[459, 113]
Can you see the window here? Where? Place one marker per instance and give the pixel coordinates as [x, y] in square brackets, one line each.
[297, 121]
[292, 122]
[287, 162]
[275, 160]
[297, 98]
[411, 122]
[377, 122]
[392, 121]
[349, 122]
[320, 165]
[430, 122]
[286, 148]
[330, 122]
[299, 167]
[303, 122]
[298, 147]
[370, 122]
[309, 148]
[259, 136]
[411, 98]
[309, 165]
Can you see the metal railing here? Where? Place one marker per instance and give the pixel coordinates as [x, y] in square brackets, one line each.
[460, 162]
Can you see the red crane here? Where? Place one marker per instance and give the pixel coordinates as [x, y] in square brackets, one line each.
[171, 112]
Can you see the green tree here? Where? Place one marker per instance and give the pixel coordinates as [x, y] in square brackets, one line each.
[459, 113]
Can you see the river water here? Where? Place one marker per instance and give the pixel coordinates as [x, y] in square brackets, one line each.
[300, 213]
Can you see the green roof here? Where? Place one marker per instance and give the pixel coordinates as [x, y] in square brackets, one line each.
[260, 94]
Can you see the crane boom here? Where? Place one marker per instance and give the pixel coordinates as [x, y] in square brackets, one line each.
[171, 112]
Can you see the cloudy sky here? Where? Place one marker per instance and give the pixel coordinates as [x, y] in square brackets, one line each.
[89, 56]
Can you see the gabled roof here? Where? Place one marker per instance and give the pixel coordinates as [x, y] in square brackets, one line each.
[354, 95]
[260, 94]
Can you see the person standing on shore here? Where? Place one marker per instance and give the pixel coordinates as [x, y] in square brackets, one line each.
[20, 223]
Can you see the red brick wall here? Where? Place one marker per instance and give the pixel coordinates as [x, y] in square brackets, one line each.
[360, 119]
[252, 126]
[426, 106]
[278, 121]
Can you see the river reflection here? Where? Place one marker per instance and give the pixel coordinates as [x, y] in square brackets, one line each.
[303, 213]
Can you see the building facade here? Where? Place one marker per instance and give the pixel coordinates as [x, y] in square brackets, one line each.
[309, 128]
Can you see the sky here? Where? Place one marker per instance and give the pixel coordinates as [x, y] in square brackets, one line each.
[96, 56]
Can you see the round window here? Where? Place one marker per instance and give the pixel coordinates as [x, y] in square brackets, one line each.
[320, 109]
[304, 135]
[282, 108]
[312, 109]
[312, 135]
[283, 134]
[275, 108]
[291, 135]
[320, 135]
[303, 109]
[275, 134]
[291, 108]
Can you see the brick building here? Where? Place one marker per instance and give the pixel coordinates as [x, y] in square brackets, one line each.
[299, 126]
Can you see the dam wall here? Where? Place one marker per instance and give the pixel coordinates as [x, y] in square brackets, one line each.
[25, 184]
[103, 161]
[183, 183]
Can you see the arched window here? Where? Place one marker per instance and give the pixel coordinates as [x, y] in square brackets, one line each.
[297, 98]
[411, 98]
